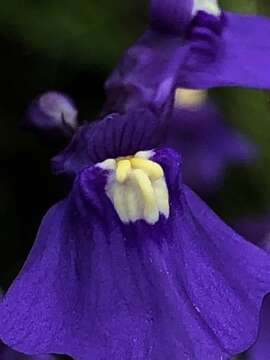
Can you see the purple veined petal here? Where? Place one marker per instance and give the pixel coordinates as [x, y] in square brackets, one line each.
[140, 95]
[257, 230]
[188, 287]
[199, 211]
[240, 60]
[113, 136]
[171, 16]
[53, 114]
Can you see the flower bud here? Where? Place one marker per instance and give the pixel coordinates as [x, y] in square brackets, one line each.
[52, 114]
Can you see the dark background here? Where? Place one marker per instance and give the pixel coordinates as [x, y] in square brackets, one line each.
[72, 46]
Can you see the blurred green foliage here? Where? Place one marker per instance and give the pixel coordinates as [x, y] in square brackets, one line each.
[82, 32]
[72, 46]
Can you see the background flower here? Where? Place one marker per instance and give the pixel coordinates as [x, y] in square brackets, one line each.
[207, 143]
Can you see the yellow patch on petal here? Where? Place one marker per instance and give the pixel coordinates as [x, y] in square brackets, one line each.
[137, 188]
[190, 98]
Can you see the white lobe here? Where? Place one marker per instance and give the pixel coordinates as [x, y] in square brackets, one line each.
[209, 6]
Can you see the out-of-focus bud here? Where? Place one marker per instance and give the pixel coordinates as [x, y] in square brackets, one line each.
[52, 114]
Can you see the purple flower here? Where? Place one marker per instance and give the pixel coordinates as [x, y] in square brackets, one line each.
[132, 264]
[208, 145]
[190, 44]
[224, 52]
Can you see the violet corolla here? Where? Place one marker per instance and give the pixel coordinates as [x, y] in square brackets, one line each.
[257, 229]
[132, 264]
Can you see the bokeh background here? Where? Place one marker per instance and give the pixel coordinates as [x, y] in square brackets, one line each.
[72, 46]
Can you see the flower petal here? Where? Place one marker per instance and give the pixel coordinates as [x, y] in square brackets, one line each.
[114, 136]
[146, 74]
[94, 288]
[242, 58]
[236, 265]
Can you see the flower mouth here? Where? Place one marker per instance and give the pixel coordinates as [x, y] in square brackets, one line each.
[137, 187]
[209, 6]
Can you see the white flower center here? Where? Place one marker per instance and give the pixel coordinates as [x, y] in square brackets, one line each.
[137, 187]
[209, 6]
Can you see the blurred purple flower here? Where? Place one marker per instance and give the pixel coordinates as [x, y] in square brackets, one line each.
[207, 143]
[189, 44]
[120, 271]
[52, 114]
[224, 52]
